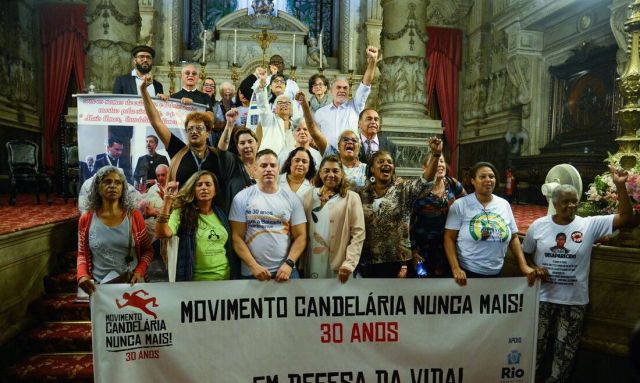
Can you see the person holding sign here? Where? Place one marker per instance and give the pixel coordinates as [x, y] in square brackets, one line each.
[268, 225]
[112, 236]
[336, 224]
[562, 245]
[478, 230]
[203, 229]
[189, 158]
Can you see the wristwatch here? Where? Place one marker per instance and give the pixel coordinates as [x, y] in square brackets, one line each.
[290, 262]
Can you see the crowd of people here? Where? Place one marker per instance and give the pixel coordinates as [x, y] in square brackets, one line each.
[310, 191]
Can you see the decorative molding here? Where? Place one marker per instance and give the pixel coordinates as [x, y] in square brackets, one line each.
[402, 80]
[448, 12]
[411, 27]
[106, 9]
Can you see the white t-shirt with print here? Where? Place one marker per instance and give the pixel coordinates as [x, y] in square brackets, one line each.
[475, 252]
[269, 218]
[568, 262]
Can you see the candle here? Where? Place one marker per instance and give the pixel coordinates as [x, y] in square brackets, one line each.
[349, 52]
[170, 42]
[235, 44]
[204, 47]
[293, 51]
[320, 43]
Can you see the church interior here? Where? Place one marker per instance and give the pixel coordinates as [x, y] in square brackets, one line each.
[526, 85]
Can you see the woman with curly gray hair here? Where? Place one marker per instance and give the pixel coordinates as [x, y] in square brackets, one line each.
[111, 235]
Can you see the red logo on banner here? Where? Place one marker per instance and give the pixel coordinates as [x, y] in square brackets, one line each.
[134, 300]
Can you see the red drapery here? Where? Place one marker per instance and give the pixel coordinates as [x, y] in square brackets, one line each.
[64, 32]
[444, 55]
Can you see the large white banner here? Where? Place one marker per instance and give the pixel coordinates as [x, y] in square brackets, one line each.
[122, 109]
[302, 331]
[103, 118]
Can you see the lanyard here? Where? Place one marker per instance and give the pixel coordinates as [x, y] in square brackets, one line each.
[198, 162]
[117, 165]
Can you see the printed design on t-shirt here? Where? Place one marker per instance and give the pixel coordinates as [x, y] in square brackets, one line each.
[489, 226]
[266, 222]
[576, 236]
[561, 239]
[559, 251]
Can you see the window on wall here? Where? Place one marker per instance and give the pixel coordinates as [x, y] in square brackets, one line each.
[317, 15]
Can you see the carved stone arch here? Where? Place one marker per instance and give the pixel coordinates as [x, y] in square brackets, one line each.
[241, 20]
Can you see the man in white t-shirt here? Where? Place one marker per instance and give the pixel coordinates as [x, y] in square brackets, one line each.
[268, 225]
[562, 244]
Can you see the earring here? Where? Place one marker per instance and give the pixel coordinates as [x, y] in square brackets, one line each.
[372, 179]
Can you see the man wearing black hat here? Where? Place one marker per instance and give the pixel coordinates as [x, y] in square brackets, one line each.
[143, 63]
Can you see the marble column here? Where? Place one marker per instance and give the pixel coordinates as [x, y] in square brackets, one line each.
[526, 72]
[403, 66]
[114, 29]
[402, 82]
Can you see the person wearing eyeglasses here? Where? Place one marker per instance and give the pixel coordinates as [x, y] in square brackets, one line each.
[355, 171]
[275, 131]
[318, 88]
[189, 92]
[203, 228]
[276, 67]
[142, 61]
[209, 87]
[479, 229]
[186, 158]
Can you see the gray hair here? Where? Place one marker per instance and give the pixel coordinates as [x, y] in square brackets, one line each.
[94, 200]
[555, 194]
[226, 84]
[339, 78]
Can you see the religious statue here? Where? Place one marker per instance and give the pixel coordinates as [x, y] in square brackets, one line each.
[313, 54]
[262, 7]
[208, 42]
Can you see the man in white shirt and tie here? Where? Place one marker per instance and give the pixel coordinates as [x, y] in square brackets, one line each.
[343, 113]
[369, 124]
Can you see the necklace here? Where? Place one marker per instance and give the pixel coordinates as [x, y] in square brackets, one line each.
[250, 169]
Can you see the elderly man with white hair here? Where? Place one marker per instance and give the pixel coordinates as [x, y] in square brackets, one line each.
[343, 113]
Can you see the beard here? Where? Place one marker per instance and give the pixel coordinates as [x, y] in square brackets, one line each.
[144, 70]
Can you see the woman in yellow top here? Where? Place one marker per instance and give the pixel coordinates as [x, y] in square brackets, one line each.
[203, 228]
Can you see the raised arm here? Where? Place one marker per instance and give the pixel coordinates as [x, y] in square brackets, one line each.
[316, 134]
[372, 60]
[435, 144]
[223, 143]
[162, 227]
[152, 113]
[625, 210]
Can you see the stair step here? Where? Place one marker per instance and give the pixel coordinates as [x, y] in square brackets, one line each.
[67, 261]
[59, 337]
[61, 283]
[61, 307]
[73, 367]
